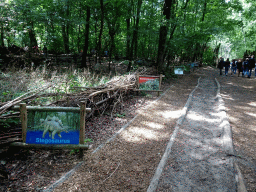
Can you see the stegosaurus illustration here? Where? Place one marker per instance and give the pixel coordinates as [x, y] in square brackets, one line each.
[53, 125]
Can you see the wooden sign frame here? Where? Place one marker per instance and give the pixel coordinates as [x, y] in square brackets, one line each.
[23, 117]
[150, 77]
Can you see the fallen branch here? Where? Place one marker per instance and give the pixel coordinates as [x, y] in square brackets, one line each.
[10, 102]
[16, 101]
[110, 89]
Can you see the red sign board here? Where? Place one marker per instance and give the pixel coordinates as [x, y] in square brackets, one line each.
[145, 79]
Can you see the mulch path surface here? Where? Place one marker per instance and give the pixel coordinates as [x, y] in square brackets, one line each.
[200, 156]
[239, 95]
[129, 161]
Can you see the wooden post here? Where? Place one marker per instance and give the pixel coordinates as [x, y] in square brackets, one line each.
[160, 82]
[68, 101]
[82, 126]
[138, 83]
[24, 120]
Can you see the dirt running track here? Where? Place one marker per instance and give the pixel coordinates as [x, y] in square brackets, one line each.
[130, 161]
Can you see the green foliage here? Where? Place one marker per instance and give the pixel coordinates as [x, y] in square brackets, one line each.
[11, 122]
[208, 57]
[74, 151]
[169, 74]
[186, 67]
[88, 140]
[120, 115]
[143, 93]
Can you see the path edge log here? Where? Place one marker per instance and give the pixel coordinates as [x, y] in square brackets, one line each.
[82, 127]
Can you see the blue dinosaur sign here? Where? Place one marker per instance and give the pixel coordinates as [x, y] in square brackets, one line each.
[53, 128]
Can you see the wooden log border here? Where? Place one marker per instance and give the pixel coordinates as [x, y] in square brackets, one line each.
[23, 117]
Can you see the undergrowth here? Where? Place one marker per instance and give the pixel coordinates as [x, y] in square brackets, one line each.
[14, 83]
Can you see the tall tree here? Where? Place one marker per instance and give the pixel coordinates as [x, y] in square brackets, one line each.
[128, 28]
[163, 33]
[99, 44]
[134, 43]
[65, 13]
[86, 35]
[113, 21]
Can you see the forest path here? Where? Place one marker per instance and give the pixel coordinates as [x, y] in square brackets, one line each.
[200, 158]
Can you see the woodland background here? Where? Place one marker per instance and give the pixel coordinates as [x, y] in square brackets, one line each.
[162, 31]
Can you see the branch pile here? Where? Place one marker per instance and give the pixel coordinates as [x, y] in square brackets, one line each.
[106, 96]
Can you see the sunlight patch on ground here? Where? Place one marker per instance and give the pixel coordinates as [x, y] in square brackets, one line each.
[153, 125]
[224, 123]
[252, 128]
[248, 87]
[251, 114]
[188, 133]
[243, 108]
[233, 119]
[137, 134]
[252, 104]
[227, 97]
[195, 117]
[171, 114]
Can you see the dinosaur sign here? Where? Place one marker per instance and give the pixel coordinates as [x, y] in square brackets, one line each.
[53, 128]
[52, 125]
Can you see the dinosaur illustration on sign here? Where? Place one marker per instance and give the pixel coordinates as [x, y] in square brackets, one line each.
[53, 125]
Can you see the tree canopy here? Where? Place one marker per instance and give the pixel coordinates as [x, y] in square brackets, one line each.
[157, 29]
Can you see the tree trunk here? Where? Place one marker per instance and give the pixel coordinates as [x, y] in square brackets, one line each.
[2, 35]
[128, 38]
[112, 47]
[163, 34]
[216, 53]
[65, 38]
[86, 43]
[161, 47]
[65, 29]
[135, 34]
[204, 11]
[101, 29]
[134, 44]
[32, 35]
[79, 29]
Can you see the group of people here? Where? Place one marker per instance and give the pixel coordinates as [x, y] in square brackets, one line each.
[245, 67]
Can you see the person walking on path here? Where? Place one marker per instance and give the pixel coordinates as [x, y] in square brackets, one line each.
[252, 65]
[233, 67]
[221, 65]
[227, 65]
[240, 67]
[246, 67]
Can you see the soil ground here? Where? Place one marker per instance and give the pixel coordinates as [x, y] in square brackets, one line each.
[129, 162]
